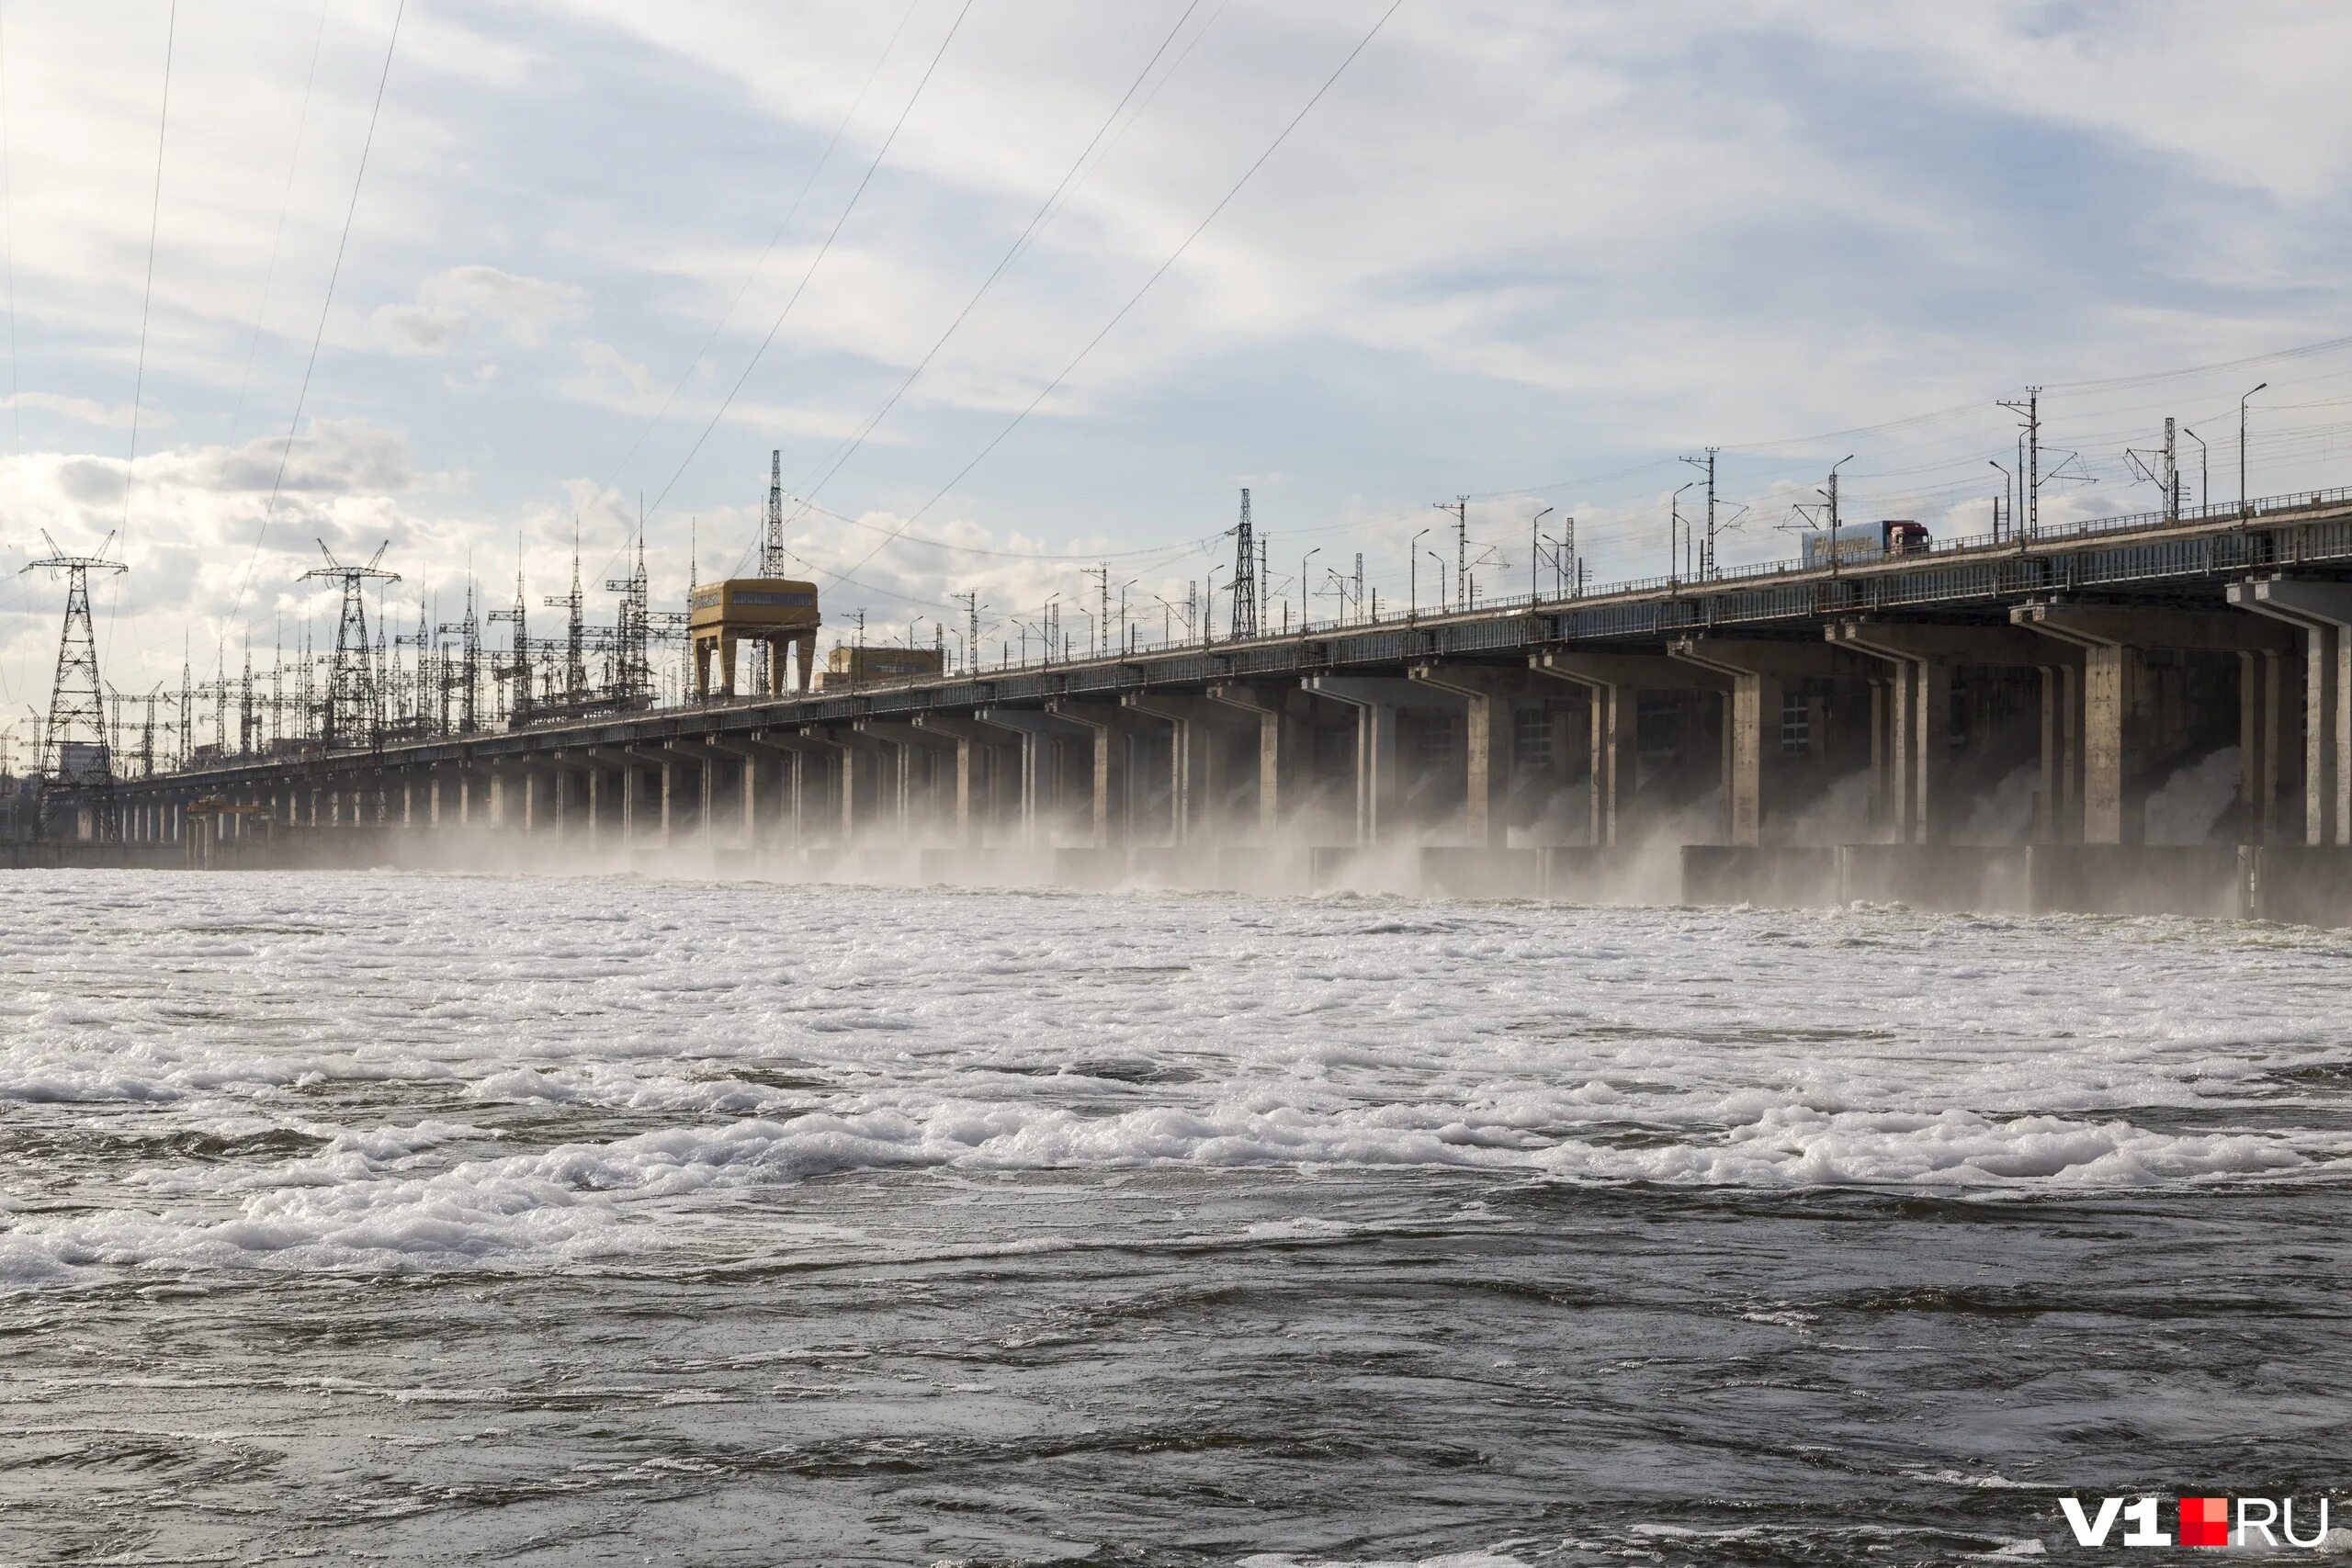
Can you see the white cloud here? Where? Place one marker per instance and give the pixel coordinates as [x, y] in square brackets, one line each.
[449, 304]
[84, 411]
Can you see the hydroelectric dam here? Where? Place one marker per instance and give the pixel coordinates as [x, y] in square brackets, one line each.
[1971, 723]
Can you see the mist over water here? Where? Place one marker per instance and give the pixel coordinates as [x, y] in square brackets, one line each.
[414, 1216]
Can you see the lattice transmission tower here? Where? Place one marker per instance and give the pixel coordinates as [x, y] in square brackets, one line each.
[1244, 573]
[75, 752]
[355, 715]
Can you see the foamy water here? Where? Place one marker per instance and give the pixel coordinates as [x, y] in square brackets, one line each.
[857, 1146]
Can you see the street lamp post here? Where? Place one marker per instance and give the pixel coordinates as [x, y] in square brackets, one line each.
[2244, 514]
[1208, 609]
[1674, 536]
[1303, 616]
[1534, 548]
[2009, 494]
[1440, 577]
[1413, 574]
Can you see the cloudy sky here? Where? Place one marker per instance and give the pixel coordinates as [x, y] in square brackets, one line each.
[1532, 251]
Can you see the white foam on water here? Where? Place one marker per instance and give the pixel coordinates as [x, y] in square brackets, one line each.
[385, 1071]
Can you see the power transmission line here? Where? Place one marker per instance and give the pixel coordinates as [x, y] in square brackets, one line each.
[147, 298]
[8, 230]
[278, 240]
[823, 251]
[758, 266]
[278, 483]
[1135, 297]
[1019, 244]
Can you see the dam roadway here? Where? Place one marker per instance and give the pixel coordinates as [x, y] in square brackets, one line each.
[1979, 725]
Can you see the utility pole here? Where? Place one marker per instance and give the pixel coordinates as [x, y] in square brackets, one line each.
[1265, 586]
[75, 750]
[1836, 554]
[971, 629]
[1244, 573]
[1706, 465]
[1460, 507]
[1098, 628]
[2029, 484]
[2172, 474]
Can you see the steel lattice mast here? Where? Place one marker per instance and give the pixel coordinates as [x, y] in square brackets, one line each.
[352, 715]
[632, 673]
[517, 667]
[575, 633]
[469, 634]
[1244, 573]
[75, 752]
[773, 558]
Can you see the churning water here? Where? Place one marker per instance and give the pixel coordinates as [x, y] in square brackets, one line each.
[403, 1218]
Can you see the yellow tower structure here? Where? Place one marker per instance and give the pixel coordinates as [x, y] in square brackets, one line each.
[773, 610]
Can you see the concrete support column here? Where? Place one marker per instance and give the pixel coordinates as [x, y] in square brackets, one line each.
[574, 797]
[2058, 804]
[1380, 768]
[615, 790]
[535, 813]
[809, 769]
[706, 758]
[1282, 712]
[1489, 691]
[1758, 671]
[666, 763]
[636, 788]
[980, 754]
[911, 752]
[761, 767]
[1616, 682]
[859, 775]
[2322, 613]
[2263, 715]
[1199, 728]
[2116, 716]
[1921, 803]
[1039, 734]
[1111, 725]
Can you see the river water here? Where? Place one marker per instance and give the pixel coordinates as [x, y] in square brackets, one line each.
[404, 1219]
